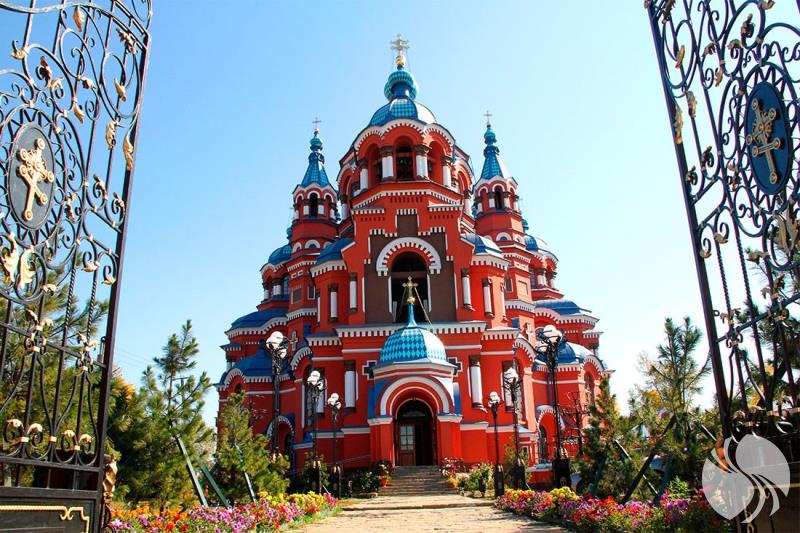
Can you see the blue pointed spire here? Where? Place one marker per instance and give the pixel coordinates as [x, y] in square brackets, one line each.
[315, 173]
[493, 165]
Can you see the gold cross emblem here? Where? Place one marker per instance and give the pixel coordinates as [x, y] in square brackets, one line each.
[34, 171]
[760, 137]
[410, 286]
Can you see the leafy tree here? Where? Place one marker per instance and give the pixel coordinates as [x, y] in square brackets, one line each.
[607, 425]
[169, 402]
[240, 451]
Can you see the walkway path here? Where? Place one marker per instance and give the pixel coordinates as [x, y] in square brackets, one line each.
[407, 514]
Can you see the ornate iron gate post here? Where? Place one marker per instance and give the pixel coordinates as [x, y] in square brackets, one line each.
[730, 71]
[71, 82]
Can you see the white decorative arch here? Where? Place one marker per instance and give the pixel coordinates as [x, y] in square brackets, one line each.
[281, 420]
[297, 246]
[415, 243]
[503, 236]
[230, 375]
[298, 356]
[412, 384]
[521, 343]
[544, 410]
[595, 362]
[312, 244]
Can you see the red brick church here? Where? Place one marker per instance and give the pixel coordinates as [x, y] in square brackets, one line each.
[405, 202]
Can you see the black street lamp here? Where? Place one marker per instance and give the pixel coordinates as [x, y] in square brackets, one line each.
[276, 346]
[550, 340]
[316, 384]
[336, 474]
[499, 486]
[512, 384]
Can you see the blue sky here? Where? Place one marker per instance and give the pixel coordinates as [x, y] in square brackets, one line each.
[233, 87]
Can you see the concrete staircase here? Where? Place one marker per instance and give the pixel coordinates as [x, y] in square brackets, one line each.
[416, 481]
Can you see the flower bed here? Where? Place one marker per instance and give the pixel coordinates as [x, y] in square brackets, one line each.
[270, 513]
[675, 514]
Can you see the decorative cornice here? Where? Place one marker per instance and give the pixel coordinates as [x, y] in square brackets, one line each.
[404, 192]
[488, 260]
[263, 328]
[521, 305]
[304, 311]
[384, 330]
[500, 333]
[327, 266]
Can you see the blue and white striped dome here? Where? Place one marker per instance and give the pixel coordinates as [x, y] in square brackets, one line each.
[412, 343]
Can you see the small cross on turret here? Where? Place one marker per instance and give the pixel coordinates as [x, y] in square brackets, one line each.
[488, 119]
[316, 122]
[400, 45]
[410, 286]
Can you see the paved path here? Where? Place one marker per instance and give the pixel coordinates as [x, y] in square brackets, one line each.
[408, 514]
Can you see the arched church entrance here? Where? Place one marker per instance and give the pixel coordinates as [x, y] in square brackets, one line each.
[415, 438]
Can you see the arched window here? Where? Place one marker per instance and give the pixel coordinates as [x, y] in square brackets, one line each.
[405, 164]
[542, 444]
[285, 291]
[404, 265]
[498, 198]
[313, 206]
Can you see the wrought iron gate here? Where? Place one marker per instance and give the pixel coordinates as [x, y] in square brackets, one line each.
[71, 80]
[730, 71]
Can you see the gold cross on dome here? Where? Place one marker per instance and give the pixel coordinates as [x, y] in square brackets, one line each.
[410, 286]
[34, 171]
[400, 45]
[488, 118]
[316, 122]
[760, 136]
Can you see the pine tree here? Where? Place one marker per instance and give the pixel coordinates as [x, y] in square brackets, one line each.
[169, 402]
[606, 425]
[241, 451]
[672, 382]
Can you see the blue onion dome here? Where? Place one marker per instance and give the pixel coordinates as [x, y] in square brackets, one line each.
[315, 173]
[493, 165]
[401, 84]
[316, 142]
[401, 91]
[489, 137]
[280, 255]
[412, 343]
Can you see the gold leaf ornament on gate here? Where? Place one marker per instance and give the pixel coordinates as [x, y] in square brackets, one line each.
[16, 267]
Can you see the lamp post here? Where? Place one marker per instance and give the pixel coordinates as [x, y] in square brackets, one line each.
[550, 340]
[336, 475]
[316, 384]
[499, 487]
[276, 346]
[511, 383]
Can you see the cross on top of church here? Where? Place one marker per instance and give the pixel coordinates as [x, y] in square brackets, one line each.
[316, 122]
[410, 286]
[400, 45]
[488, 118]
